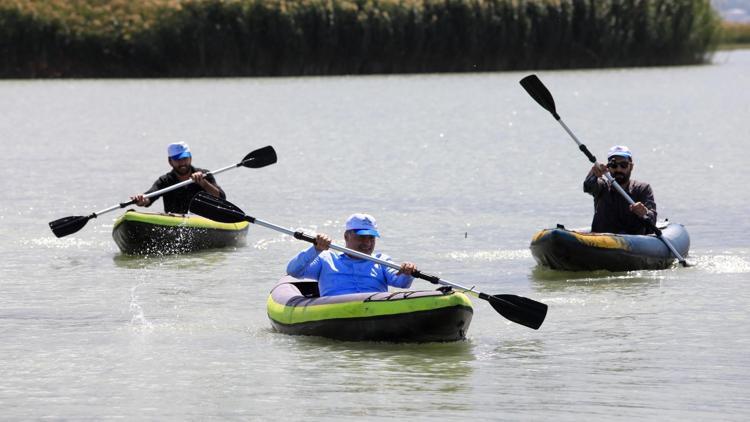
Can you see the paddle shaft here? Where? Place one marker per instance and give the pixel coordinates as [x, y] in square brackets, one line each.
[547, 102]
[165, 190]
[417, 274]
[68, 225]
[591, 158]
[518, 309]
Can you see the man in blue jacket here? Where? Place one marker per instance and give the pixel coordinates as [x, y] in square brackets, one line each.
[339, 273]
[612, 212]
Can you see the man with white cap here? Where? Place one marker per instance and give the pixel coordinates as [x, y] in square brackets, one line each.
[178, 200]
[612, 212]
[339, 273]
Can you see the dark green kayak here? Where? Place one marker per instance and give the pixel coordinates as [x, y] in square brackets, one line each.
[141, 233]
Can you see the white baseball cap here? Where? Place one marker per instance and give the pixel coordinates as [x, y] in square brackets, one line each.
[619, 151]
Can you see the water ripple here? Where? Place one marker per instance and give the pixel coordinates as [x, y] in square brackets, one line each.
[490, 255]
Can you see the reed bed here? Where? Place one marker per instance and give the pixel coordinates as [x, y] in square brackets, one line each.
[735, 34]
[166, 38]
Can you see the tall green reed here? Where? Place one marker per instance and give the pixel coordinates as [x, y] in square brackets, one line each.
[319, 37]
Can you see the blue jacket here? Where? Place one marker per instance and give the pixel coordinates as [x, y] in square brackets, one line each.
[339, 274]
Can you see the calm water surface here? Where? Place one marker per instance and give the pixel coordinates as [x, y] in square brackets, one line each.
[460, 171]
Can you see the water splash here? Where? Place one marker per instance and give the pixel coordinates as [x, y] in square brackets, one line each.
[722, 264]
[138, 321]
[263, 244]
[58, 243]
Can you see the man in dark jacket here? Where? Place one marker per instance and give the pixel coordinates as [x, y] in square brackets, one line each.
[612, 213]
[178, 200]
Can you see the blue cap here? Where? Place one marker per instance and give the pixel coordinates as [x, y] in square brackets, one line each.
[178, 151]
[619, 151]
[362, 224]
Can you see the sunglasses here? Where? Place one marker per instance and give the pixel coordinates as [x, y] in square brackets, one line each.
[622, 164]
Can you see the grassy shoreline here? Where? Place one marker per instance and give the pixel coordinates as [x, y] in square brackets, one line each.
[189, 38]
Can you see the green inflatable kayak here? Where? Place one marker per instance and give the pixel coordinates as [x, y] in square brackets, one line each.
[295, 307]
[141, 233]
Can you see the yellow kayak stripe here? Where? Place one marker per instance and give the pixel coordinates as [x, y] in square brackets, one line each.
[601, 240]
[178, 220]
[539, 234]
[597, 240]
[361, 309]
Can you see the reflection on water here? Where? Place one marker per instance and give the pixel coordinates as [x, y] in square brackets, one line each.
[512, 349]
[413, 353]
[193, 260]
[541, 273]
[490, 255]
[345, 375]
[546, 279]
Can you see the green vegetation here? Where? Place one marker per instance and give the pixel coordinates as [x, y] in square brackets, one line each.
[735, 35]
[100, 38]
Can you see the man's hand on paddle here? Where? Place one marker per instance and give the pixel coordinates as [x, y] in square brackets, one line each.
[407, 268]
[322, 242]
[599, 170]
[639, 209]
[141, 200]
[199, 178]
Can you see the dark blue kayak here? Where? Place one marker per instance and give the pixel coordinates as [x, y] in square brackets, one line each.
[573, 250]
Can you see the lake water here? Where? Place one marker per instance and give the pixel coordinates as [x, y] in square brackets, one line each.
[459, 170]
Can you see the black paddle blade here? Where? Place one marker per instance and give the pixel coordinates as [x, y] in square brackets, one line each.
[260, 158]
[217, 209]
[540, 93]
[68, 225]
[520, 310]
